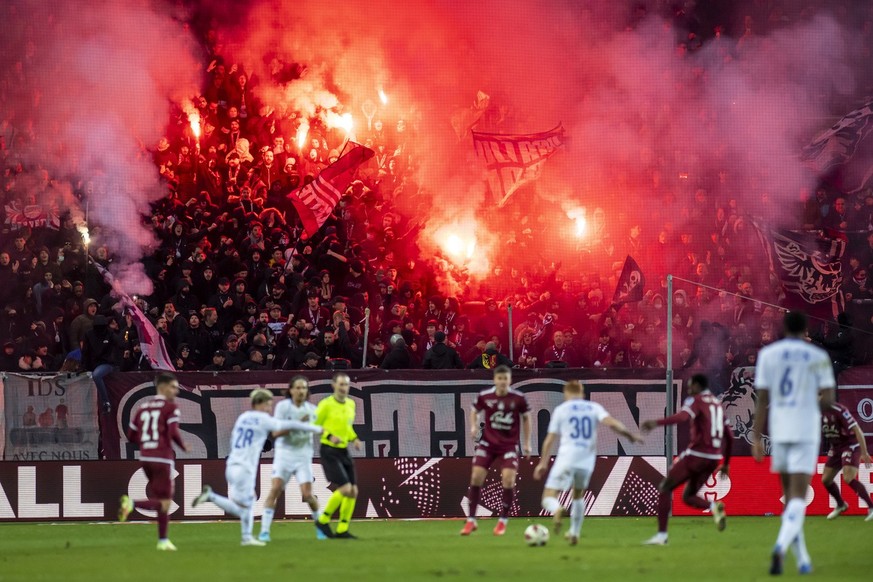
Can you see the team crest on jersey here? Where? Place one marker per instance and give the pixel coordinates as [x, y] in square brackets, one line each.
[490, 403]
[500, 406]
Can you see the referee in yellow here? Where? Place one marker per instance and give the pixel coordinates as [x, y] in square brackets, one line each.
[336, 415]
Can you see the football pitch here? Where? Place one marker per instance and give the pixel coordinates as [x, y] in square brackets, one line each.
[427, 550]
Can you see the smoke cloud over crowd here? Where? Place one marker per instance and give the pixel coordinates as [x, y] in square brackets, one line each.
[647, 119]
[101, 79]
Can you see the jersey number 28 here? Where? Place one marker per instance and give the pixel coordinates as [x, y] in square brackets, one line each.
[243, 438]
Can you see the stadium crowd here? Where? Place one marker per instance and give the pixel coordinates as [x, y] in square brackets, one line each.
[238, 286]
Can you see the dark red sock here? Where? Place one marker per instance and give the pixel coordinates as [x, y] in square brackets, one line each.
[835, 493]
[665, 503]
[695, 501]
[473, 495]
[859, 488]
[150, 504]
[506, 502]
[163, 525]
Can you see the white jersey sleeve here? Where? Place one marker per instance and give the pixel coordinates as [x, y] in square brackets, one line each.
[794, 372]
[576, 421]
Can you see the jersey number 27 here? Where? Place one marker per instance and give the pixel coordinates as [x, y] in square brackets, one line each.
[149, 420]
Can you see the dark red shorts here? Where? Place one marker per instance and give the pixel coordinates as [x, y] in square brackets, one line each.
[507, 459]
[693, 470]
[160, 476]
[844, 457]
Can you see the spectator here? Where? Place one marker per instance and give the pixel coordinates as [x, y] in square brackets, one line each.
[440, 356]
[490, 358]
[398, 358]
[101, 355]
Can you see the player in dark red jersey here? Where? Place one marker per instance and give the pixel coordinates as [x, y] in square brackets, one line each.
[154, 426]
[847, 448]
[506, 414]
[711, 438]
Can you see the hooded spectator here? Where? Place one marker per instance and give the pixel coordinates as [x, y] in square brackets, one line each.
[441, 356]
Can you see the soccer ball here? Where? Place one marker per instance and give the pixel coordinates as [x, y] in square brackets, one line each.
[536, 535]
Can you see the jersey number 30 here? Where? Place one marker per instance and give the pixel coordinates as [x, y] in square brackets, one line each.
[581, 427]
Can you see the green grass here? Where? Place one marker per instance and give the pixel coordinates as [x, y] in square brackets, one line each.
[426, 550]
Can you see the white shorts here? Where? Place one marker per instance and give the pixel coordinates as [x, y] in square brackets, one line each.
[287, 466]
[794, 458]
[565, 476]
[240, 485]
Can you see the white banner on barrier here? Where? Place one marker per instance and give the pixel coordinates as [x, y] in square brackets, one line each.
[49, 418]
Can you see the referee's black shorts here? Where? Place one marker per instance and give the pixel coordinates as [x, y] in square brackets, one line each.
[338, 466]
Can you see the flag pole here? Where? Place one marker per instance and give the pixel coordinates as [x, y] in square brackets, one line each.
[366, 335]
[511, 343]
[671, 405]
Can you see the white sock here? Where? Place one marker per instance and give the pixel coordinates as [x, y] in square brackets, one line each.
[315, 514]
[577, 514]
[226, 504]
[247, 522]
[267, 519]
[798, 546]
[792, 524]
[551, 504]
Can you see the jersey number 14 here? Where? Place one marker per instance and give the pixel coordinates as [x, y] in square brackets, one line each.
[716, 419]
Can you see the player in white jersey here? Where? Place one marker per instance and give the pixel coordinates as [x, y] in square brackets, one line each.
[293, 455]
[575, 422]
[246, 444]
[794, 381]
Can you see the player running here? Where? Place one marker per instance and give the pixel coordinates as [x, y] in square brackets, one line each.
[711, 438]
[794, 381]
[847, 448]
[503, 410]
[293, 454]
[154, 427]
[246, 443]
[336, 415]
[575, 423]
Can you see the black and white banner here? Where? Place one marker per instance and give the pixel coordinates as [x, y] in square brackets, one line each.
[414, 413]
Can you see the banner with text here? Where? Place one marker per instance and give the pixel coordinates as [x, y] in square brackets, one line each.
[49, 417]
[414, 413]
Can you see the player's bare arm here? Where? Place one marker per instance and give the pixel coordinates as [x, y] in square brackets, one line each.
[862, 444]
[545, 456]
[474, 423]
[619, 427]
[758, 426]
[525, 434]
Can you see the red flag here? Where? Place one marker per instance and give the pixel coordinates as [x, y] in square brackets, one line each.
[315, 201]
[150, 341]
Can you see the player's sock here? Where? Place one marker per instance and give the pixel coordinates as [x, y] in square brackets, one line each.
[665, 502]
[163, 525]
[347, 508]
[267, 519]
[551, 504]
[506, 502]
[226, 504]
[835, 493]
[859, 488]
[801, 554]
[150, 504]
[696, 502]
[333, 504]
[792, 523]
[247, 523]
[577, 514]
[473, 494]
